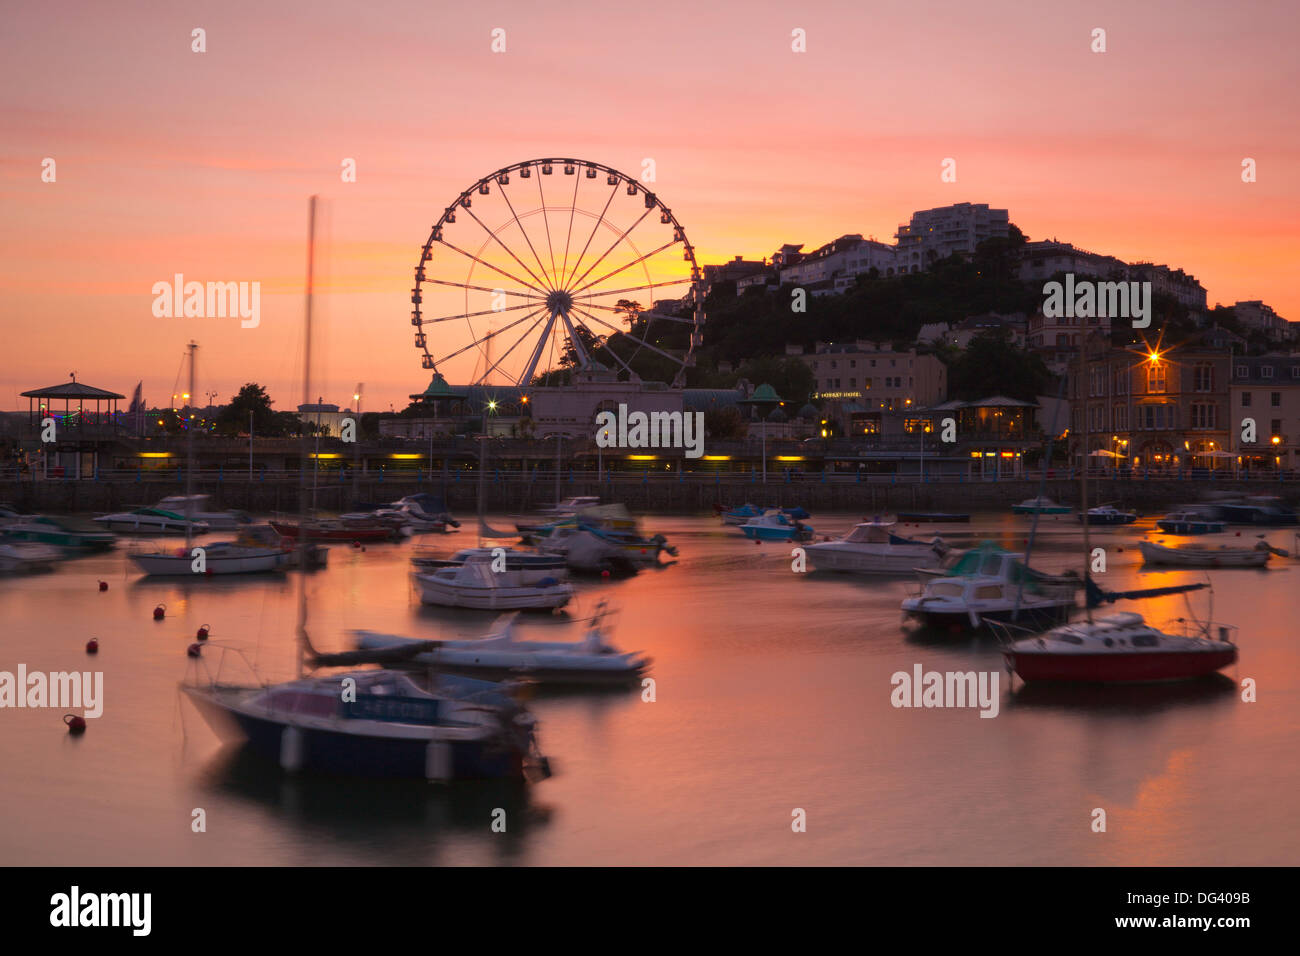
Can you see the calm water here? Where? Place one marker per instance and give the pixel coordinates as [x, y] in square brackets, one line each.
[773, 694]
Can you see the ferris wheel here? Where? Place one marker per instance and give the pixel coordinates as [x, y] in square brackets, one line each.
[553, 266]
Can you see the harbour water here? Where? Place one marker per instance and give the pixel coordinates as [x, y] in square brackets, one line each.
[772, 694]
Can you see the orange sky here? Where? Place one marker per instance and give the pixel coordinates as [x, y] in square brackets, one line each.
[171, 161]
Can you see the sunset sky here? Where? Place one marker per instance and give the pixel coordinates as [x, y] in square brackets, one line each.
[170, 161]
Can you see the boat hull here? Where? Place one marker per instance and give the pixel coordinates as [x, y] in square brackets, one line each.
[338, 753]
[774, 534]
[442, 594]
[1192, 558]
[830, 556]
[1127, 668]
[1039, 616]
[1098, 521]
[171, 565]
[334, 534]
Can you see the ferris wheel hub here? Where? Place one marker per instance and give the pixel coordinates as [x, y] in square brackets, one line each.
[559, 301]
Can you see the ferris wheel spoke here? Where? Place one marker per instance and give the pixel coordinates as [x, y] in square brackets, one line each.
[531, 369]
[483, 288]
[527, 332]
[508, 250]
[471, 315]
[550, 282]
[573, 208]
[657, 315]
[490, 335]
[579, 349]
[609, 275]
[629, 335]
[596, 225]
[621, 236]
[638, 288]
[488, 265]
[546, 221]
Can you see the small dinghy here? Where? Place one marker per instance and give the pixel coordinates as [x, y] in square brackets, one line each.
[1194, 556]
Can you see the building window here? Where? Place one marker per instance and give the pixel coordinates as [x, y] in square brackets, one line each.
[1203, 377]
[1266, 371]
[1242, 371]
[1155, 378]
[1245, 399]
[1275, 399]
[853, 383]
[1120, 417]
[1204, 415]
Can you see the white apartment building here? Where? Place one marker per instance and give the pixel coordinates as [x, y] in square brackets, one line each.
[840, 262]
[935, 234]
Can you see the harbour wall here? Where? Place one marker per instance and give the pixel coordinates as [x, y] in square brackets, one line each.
[659, 494]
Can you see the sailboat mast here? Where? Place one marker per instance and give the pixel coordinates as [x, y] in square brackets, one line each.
[189, 458]
[302, 471]
[1083, 469]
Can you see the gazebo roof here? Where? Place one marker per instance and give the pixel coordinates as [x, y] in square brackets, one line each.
[763, 395]
[72, 390]
[438, 389]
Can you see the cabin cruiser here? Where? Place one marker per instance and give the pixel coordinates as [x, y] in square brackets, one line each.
[382, 725]
[592, 660]
[215, 520]
[873, 548]
[776, 526]
[1108, 515]
[151, 521]
[1118, 648]
[60, 532]
[989, 584]
[579, 549]
[475, 585]
[24, 556]
[1261, 510]
[738, 516]
[1192, 556]
[1189, 521]
[531, 565]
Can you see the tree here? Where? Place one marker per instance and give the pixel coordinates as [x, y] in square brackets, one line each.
[232, 420]
[993, 365]
[629, 309]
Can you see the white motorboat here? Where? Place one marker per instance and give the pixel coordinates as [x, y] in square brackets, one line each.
[1193, 556]
[24, 556]
[475, 585]
[219, 557]
[150, 521]
[988, 584]
[872, 548]
[1117, 649]
[592, 660]
[531, 565]
[571, 505]
[215, 520]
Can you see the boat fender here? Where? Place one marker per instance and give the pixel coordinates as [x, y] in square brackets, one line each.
[194, 650]
[76, 725]
[547, 582]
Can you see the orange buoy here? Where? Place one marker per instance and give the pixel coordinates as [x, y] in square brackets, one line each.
[159, 612]
[76, 725]
[202, 634]
[92, 646]
[103, 585]
[194, 650]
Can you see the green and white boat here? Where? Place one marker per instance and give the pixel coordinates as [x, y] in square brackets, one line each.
[151, 521]
[61, 532]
